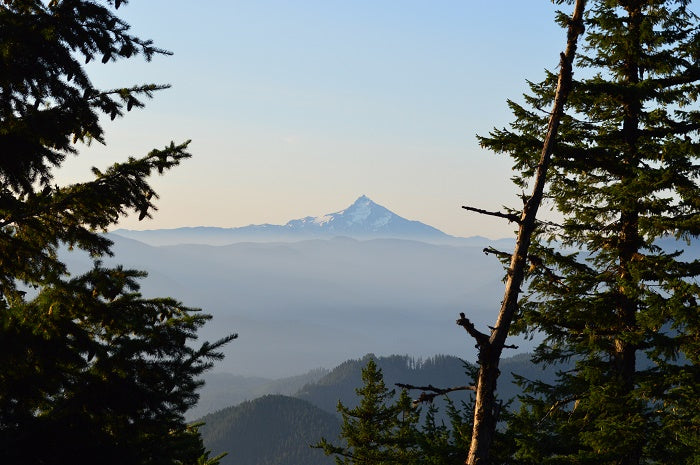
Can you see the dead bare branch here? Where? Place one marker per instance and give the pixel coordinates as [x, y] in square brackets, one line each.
[430, 392]
[482, 340]
[496, 252]
[509, 216]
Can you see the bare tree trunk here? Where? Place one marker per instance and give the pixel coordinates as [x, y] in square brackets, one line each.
[490, 347]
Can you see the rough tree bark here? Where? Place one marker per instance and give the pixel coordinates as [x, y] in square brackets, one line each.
[491, 346]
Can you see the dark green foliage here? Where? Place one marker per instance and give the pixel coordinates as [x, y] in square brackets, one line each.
[47, 104]
[90, 365]
[442, 433]
[441, 442]
[624, 176]
[435, 437]
[271, 430]
[90, 371]
[343, 381]
[386, 429]
[378, 430]
[441, 370]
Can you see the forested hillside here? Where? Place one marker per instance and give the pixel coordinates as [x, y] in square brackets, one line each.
[223, 390]
[324, 388]
[271, 430]
[289, 424]
[441, 371]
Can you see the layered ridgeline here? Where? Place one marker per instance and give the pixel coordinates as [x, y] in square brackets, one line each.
[290, 423]
[302, 304]
[364, 219]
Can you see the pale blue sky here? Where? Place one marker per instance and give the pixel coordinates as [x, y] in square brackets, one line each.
[296, 108]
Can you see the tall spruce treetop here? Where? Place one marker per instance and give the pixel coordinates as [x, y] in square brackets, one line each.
[91, 372]
[603, 290]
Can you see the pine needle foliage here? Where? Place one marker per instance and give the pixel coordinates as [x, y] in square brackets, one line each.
[47, 105]
[90, 371]
[611, 288]
[387, 429]
[377, 431]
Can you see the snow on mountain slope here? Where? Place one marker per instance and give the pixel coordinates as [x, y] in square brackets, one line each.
[364, 219]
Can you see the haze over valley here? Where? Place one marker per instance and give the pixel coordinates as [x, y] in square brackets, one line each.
[201, 273]
[309, 303]
[321, 290]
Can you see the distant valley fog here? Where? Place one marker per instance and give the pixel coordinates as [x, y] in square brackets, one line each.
[306, 295]
[301, 305]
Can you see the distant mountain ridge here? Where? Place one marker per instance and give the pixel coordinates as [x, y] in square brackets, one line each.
[303, 304]
[324, 388]
[289, 424]
[223, 390]
[270, 430]
[364, 219]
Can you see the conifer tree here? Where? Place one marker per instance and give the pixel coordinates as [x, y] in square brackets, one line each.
[90, 371]
[611, 288]
[387, 429]
[379, 430]
[441, 444]
[435, 437]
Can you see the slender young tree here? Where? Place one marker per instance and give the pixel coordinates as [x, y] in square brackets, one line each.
[90, 371]
[611, 288]
[490, 346]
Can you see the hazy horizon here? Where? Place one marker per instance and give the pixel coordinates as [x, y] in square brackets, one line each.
[117, 228]
[294, 109]
[302, 305]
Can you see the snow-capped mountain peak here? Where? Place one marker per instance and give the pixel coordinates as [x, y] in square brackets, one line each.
[360, 210]
[362, 218]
